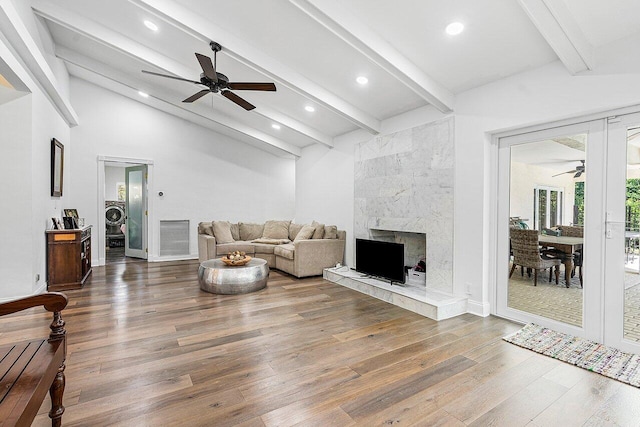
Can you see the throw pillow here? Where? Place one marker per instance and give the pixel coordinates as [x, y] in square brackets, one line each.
[222, 232]
[330, 232]
[306, 233]
[250, 231]
[205, 228]
[276, 230]
[235, 232]
[294, 229]
[319, 230]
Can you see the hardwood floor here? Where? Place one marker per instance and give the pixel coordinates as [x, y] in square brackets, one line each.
[147, 347]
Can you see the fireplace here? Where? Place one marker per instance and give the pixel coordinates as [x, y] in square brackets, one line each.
[415, 244]
[403, 192]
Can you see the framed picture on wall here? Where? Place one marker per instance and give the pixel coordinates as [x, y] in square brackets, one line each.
[57, 167]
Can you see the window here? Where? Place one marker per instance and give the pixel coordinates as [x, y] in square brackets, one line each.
[547, 208]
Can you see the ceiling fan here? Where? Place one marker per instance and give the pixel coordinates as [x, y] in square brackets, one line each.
[218, 82]
[579, 170]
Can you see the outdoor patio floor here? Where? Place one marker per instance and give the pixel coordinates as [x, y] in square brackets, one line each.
[564, 304]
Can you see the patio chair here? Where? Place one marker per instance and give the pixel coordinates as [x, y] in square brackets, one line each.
[570, 231]
[526, 254]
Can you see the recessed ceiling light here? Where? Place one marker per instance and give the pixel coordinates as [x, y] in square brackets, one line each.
[275, 126]
[309, 108]
[362, 80]
[143, 94]
[150, 25]
[454, 28]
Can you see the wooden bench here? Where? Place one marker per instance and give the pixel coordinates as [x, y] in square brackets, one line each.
[29, 369]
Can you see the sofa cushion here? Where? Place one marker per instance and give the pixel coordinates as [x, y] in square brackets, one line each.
[264, 248]
[330, 232]
[250, 231]
[319, 230]
[306, 233]
[285, 251]
[276, 230]
[205, 228]
[225, 248]
[294, 229]
[272, 241]
[222, 232]
[235, 231]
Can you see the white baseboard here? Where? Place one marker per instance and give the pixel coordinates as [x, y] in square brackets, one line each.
[171, 258]
[478, 308]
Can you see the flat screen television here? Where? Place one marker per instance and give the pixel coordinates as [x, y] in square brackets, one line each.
[380, 259]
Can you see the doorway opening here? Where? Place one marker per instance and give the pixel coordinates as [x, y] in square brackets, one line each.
[123, 185]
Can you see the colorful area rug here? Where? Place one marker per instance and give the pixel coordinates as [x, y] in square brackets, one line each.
[608, 361]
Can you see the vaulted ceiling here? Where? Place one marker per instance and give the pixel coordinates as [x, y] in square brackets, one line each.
[313, 50]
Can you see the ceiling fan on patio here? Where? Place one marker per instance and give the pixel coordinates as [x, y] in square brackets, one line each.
[218, 82]
[579, 170]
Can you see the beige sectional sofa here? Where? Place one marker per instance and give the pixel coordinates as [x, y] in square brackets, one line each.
[298, 249]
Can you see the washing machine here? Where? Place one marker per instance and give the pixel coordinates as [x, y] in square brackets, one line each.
[114, 217]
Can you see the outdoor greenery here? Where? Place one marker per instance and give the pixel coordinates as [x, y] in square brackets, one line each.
[578, 208]
[632, 204]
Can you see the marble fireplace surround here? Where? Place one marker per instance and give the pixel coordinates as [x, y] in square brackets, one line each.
[404, 183]
[403, 190]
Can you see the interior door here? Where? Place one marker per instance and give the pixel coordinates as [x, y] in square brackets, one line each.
[622, 233]
[552, 160]
[136, 209]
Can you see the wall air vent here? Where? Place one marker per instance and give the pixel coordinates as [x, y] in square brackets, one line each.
[174, 237]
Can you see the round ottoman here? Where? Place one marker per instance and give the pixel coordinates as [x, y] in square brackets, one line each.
[218, 278]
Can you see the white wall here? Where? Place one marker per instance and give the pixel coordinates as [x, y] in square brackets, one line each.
[16, 260]
[112, 176]
[203, 175]
[25, 170]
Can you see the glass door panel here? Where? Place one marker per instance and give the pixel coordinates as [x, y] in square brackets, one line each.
[542, 182]
[550, 167]
[136, 208]
[622, 271]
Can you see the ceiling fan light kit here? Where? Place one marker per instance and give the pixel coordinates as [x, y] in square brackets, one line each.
[217, 82]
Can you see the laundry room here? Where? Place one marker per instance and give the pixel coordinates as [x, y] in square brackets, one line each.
[115, 211]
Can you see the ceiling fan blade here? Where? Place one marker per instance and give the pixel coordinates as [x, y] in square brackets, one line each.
[252, 86]
[197, 95]
[562, 173]
[235, 98]
[207, 67]
[578, 173]
[171, 77]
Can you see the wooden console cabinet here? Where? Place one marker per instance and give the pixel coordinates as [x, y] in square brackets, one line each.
[68, 258]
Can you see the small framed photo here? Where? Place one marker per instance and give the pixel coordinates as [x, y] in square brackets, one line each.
[71, 212]
[69, 222]
[57, 224]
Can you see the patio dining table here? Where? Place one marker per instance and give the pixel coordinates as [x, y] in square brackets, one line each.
[566, 244]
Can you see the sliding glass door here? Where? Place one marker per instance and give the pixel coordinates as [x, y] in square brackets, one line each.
[545, 190]
[586, 178]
